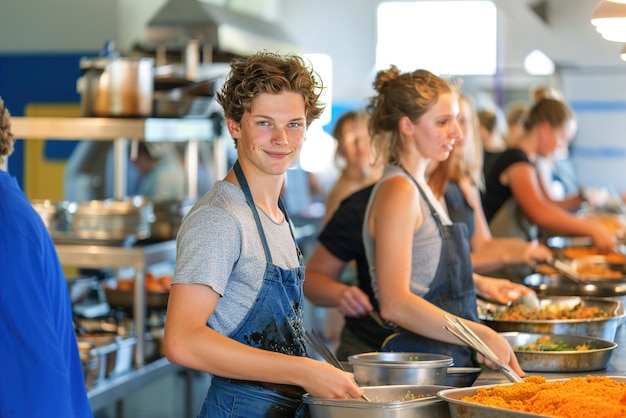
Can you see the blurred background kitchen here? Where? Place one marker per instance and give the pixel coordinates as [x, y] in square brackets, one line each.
[174, 54]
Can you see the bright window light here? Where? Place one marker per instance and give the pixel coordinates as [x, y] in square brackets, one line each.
[444, 37]
[538, 63]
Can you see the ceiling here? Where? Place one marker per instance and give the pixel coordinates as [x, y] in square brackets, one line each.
[566, 35]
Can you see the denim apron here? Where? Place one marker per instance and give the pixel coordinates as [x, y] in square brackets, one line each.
[452, 290]
[274, 324]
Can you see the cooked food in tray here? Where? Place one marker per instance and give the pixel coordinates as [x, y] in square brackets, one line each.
[590, 270]
[546, 343]
[550, 312]
[591, 396]
[562, 315]
[558, 353]
[576, 252]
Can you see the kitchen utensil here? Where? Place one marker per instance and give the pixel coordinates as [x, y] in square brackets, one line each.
[317, 343]
[462, 376]
[617, 199]
[465, 334]
[389, 401]
[549, 285]
[116, 86]
[400, 368]
[604, 328]
[566, 270]
[595, 358]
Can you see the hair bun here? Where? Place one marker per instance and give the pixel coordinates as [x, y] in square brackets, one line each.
[385, 76]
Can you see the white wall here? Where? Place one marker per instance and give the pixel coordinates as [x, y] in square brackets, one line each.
[591, 72]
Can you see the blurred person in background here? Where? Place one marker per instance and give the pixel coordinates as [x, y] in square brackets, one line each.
[515, 114]
[355, 158]
[161, 174]
[41, 374]
[514, 201]
[492, 135]
[359, 168]
[459, 181]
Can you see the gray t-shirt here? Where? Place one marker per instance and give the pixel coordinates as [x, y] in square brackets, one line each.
[426, 243]
[219, 245]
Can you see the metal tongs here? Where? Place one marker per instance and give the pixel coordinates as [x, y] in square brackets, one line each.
[566, 270]
[317, 343]
[465, 334]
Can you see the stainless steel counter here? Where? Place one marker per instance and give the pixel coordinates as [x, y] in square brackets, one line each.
[616, 367]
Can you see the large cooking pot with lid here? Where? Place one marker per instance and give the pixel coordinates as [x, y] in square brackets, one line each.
[116, 86]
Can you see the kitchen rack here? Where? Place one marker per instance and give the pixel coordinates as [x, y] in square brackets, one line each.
[121, 131]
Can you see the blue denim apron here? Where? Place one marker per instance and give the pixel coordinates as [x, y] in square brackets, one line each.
[274, 323]
[452, 290]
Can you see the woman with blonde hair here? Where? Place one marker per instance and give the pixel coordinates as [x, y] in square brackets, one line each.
[459, 181]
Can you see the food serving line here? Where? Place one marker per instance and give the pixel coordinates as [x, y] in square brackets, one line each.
[615, 367]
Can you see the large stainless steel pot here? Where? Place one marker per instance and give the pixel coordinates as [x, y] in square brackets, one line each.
[113, 220]
[117, 86]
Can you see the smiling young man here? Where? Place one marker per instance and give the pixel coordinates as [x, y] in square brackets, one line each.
[235, 308]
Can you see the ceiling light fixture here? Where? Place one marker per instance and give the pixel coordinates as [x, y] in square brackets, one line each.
[609, 18]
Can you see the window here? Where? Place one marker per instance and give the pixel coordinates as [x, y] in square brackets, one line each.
[445, 37]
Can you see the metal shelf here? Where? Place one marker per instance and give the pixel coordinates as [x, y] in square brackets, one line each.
[94, 256]
[115, 389]
[107, 129]
[122, 130]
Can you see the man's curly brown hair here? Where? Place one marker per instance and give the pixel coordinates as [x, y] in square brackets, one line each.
[265, 72]
[6, 136]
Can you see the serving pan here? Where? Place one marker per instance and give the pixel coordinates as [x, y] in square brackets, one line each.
[596, 358]
[549, 285]
[387, 402]
[464, 409]
[400, 368]
[604, 328]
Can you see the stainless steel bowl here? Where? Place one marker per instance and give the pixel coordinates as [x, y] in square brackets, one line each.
[387, 402]
[462, 376]
[604, 328]
[596, 358]
[376, 368]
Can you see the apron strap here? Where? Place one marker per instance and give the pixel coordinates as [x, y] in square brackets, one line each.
[433, 211]
[241, 178]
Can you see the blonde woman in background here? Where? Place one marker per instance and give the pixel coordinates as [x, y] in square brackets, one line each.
[459, 181]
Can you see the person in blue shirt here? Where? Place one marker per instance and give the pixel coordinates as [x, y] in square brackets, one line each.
[40, 369]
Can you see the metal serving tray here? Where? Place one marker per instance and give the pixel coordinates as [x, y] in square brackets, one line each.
[596, 358]
[464, 409]
[385, 403]
[604, 328]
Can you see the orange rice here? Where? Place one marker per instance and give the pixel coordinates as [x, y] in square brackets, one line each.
[578, 397]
